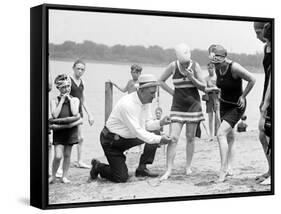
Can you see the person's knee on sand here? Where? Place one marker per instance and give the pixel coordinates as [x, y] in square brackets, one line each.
[120, 178]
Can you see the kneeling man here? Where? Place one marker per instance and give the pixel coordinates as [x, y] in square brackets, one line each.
[127, 126]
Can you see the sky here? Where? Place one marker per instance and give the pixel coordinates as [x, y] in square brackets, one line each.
[125, 29]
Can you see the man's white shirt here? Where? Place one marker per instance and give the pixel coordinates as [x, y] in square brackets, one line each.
[132, 119]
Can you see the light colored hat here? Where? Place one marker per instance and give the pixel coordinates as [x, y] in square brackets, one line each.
[183, 53]
[147, 80]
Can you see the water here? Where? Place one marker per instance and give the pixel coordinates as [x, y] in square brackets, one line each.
[98, 73]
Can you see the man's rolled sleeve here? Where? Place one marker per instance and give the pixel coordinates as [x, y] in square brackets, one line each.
[129, 116]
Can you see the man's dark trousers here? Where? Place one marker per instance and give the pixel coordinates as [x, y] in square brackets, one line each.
[114, 147]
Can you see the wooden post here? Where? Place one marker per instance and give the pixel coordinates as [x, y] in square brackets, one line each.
[108, 100]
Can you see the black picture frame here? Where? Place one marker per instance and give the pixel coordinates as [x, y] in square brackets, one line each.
[39, 58]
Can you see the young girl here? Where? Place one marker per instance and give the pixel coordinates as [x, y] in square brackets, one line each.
[64, 107]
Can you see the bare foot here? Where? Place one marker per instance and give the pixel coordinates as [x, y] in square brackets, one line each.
[188, 171]
[59, 173]
[52, 179]
[222, 176]
[65, 180]
[165, 176]
[82, 165]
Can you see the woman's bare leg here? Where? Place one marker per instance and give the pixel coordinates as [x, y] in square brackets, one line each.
[231, 151]
[175, 130]
[190, 135]
[264, 142]
[223, 131]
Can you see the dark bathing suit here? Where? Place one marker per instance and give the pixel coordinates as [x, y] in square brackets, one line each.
[231, 90]
[267, 60]
[65, 136]
[186, 106]
[77, 91]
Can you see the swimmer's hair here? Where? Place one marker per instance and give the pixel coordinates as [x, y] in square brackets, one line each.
[78, 61]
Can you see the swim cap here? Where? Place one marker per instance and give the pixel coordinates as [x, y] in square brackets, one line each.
[259, 25]
[62, 80]
[183, 53]
[217, 53]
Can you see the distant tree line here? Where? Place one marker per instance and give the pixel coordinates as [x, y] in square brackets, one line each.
[89, 50]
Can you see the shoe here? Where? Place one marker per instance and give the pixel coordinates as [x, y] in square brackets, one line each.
[94, 170]
[145, 173]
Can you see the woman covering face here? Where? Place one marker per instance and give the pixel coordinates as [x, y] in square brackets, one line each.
[186, 105]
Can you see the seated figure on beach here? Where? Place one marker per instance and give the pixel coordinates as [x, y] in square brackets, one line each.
[230, 76]
[64, 123]
[211, 97]
[130, 124]
[186, 106]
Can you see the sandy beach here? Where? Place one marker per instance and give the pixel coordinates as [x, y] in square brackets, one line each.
[249, 162]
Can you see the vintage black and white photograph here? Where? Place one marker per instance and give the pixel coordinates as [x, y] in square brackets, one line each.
[146, 106]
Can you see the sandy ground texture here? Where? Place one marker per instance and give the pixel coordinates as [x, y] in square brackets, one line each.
[249, 162]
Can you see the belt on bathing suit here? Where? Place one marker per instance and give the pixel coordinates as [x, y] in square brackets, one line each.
[109, 134]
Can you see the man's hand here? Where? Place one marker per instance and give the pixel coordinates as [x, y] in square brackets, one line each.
[165, 140]
[166, 120]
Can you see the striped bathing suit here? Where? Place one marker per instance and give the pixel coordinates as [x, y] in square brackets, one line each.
[186, 106]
